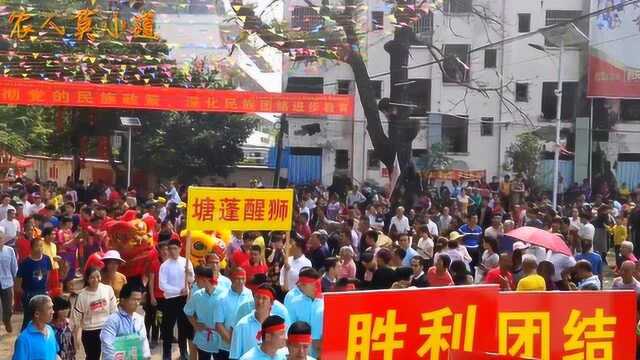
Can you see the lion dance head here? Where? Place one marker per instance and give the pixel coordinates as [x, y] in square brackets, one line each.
[134, 243]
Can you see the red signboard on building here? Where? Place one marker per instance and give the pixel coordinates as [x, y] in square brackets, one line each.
[79, 94]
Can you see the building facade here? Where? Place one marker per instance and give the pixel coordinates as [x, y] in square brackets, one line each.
[476, 108]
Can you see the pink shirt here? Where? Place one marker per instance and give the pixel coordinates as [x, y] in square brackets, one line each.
[347, 270]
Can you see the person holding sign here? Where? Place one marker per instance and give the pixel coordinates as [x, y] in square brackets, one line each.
[175, 277]
[272, 336]
[124, 335]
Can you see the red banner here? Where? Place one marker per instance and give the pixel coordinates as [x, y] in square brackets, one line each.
[479, 323]
[76, 94]
[568, 325]
[460, 175]
[609, 80]
[408, 324]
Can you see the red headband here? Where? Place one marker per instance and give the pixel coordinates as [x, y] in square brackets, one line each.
[265, 293]
[214, 280]
[303, 339]
[270, 330]
[307, 280]
[239, 273]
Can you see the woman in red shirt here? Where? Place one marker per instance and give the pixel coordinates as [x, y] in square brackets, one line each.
[438, 275]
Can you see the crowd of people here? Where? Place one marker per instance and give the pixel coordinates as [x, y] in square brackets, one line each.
[262, 298]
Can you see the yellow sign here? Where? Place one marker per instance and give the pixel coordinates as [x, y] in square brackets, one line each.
[239, 209]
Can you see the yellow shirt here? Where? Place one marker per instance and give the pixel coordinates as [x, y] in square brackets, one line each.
[619, 233]
[532, 282]
[52, 252]
[260, 242]
[117, 282]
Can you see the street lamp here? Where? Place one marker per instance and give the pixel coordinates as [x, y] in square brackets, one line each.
[560, 36]
[129, 123]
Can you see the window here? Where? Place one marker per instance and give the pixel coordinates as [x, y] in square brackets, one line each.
[630, 110]
[524, 23]
[550, 100]
[486, 126]
[419, 94]
[455, 133]
[456, 63]
[522, 92]
[377, 20]
[373, 163]
[342, 159]
[305, 18]
[377, 88]
[344, 87]
[562, 16]
[457, 6]
[305, 84]
[490, 58]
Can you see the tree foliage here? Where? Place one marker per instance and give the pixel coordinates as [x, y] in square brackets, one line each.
[190, 145]
[523, 155]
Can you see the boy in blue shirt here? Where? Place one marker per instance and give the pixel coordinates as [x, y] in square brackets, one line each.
[308, 306]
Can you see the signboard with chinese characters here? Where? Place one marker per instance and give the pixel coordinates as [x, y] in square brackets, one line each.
[614, 65]
[446, 323]
[73, 94]
[409, 324]
[568, 325]
[239, 209]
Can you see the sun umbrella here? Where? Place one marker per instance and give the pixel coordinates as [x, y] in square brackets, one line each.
[542, 238]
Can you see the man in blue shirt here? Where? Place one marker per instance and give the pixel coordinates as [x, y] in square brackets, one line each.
[472, 234]
[277, 307]
[125, 322]
[298, 342]
[32, 276]
[272, 336]
[245, 331]
[213, 261]
[405, 243]
[201, 311]
[226, 313]
[309, 306]
[38, 340]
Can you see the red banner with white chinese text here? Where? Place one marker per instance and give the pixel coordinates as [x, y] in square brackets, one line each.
[409, 324]
[478, 322]
[568, 325]
[76, 94]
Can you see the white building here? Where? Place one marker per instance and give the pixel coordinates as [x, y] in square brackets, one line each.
[483, 126]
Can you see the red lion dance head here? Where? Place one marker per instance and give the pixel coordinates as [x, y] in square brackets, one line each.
[134, 243]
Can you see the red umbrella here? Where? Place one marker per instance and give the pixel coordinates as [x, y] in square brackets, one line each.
[539, 237]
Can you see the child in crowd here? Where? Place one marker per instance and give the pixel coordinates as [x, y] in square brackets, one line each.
[60, 323]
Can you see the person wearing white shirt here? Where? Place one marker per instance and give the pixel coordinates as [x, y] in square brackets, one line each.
[355, 197]
[399, 222]
[425, 243]
[561, 263]
[174, 278]
[8, 271]
[433, 227]
[291, 269]
[11, 228]
[35, 207]
[586, 230]
[5, 206]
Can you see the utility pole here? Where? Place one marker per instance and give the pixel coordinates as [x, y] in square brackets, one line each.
[279, 140]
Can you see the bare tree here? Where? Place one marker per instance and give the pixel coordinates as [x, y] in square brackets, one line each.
[338, 39]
